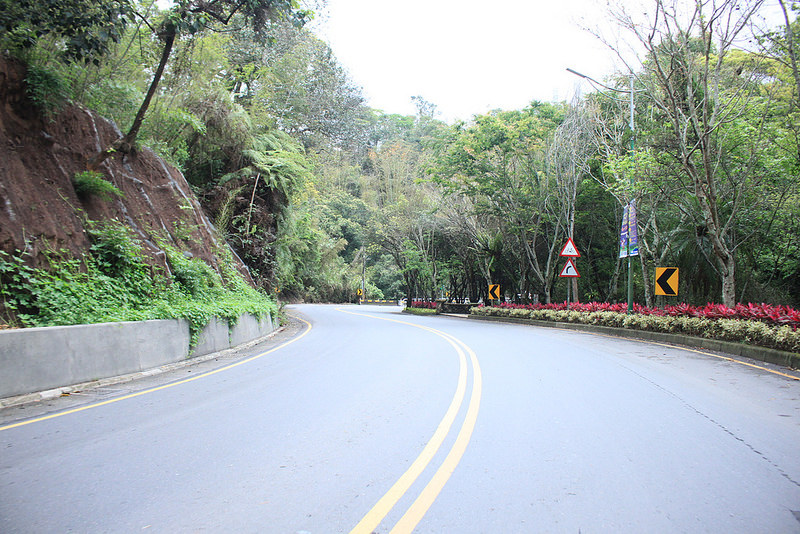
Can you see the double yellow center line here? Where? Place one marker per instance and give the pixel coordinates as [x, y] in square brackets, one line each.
[425, 500]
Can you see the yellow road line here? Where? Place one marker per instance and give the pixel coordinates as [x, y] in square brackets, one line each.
[159, 388]
[419, 508]
[384, 505]
[423, 503]
[680, 347]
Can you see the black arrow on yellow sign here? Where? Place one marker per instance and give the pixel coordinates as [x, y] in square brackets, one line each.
[667, 281]
[494, 291]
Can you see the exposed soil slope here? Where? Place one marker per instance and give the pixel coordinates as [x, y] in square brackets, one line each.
[39, 208]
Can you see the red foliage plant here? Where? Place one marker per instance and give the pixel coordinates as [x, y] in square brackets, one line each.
[767, 313]
[423, 304]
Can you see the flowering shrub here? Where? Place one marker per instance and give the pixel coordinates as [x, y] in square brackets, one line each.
[423, 304]
[758, 324]
[775, 315]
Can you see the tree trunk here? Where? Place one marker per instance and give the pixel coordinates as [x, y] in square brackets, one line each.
[648, 291]
[125, 144]
[727, 267]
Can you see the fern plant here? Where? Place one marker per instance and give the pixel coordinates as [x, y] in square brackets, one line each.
[91, 183]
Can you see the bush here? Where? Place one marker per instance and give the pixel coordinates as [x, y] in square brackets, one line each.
[421, 311]
[46, 89]
[767, 313]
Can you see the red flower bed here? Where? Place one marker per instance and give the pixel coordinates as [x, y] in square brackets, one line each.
[423, 304]
[768, 313]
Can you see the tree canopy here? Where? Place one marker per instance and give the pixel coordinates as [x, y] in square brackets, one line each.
[316, 191]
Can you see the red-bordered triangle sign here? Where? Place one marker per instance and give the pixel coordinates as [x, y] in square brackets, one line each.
[569, 270]
[570, 250]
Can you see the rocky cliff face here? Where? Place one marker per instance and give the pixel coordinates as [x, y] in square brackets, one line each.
[39, 208]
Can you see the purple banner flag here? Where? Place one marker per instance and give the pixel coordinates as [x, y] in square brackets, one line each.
[629, 235]
[633, 230]
[623, 235]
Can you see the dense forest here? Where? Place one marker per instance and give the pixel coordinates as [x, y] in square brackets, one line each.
[314, 190]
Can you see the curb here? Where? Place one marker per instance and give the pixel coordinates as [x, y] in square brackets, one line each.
[773, 356]
[762, 354]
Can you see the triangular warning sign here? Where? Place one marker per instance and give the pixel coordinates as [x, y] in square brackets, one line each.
[569, 270]
[570, 250]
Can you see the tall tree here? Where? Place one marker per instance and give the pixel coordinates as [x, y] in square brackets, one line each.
[500, 162]
[569, 157]
[686, 79]
[190, 17]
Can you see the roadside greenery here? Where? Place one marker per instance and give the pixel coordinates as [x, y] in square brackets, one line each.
[420, 311]
[114, 283]
[91, 183]
[314, 190]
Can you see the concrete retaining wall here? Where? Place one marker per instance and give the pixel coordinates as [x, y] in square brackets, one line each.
[37, 359]
[218, 335]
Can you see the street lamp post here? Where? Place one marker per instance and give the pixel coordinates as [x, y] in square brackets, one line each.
[633, 154]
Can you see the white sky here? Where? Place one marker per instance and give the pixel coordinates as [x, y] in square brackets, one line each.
[466, 56]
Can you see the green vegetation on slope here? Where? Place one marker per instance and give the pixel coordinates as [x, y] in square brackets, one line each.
[114, 283]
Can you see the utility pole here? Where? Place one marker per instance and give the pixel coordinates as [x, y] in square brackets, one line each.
[363, 273]
[630, 207]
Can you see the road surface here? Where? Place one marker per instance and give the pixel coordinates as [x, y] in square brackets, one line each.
[368, 420]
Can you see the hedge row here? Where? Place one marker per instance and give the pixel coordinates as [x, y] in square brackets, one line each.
[736, 330]
[773, 314]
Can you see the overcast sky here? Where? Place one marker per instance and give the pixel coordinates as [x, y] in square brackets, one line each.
[466, 56]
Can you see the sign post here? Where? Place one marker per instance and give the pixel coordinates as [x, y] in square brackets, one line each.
[569, 251]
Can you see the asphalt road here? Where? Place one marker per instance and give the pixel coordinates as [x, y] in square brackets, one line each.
[363, 419]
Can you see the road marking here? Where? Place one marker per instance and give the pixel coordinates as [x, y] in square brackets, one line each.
[159, 388]
[414, 514]
[680, 347]
[425, 500]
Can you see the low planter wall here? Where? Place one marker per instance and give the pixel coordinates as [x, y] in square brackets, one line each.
[37, 359]
[454, 307]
